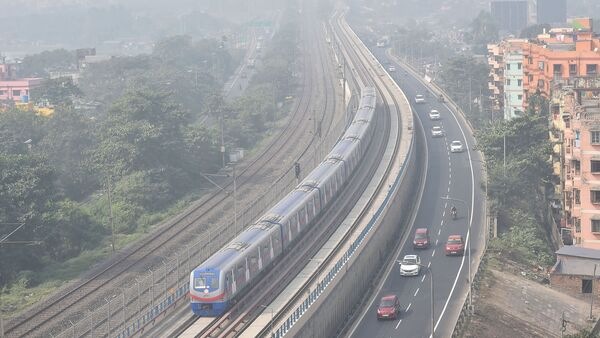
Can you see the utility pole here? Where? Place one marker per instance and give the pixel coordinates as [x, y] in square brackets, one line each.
[222, 140]
[592, 298]
[110, 217]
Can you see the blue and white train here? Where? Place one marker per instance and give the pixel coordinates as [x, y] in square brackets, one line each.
[217, 281]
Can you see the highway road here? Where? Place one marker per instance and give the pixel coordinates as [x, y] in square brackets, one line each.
[456, 175]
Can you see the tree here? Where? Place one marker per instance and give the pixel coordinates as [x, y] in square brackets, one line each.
[56, 92]
[483, 31]
[40, 65]
[69, 139]
[25, 189]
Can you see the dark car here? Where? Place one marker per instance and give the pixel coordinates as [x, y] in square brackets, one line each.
[389, 307]
[421, 240]
[455, 245]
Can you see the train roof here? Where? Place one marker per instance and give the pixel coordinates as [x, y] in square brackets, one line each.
[291, 201]
[356, 130]
[343, 148]
[320, 173]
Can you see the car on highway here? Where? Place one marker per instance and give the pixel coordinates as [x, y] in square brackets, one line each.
[410, 265]
[419, 98]
[437, 131]
[455, 245]
[456, 147]
[392, 68]
[389, 307]
[434, 115]
[421, 240]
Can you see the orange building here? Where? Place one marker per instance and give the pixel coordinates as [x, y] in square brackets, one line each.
[575, 113]
[559, 54]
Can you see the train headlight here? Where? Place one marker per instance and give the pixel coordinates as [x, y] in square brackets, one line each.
[205, 290]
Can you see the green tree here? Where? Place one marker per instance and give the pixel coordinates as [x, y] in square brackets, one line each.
[40, 65]
[68, 141]
[25, 189]
[68, 230]
[56, 92]
[483, 31]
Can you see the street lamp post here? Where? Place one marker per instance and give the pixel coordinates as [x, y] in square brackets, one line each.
[428, 269]
[469, 279]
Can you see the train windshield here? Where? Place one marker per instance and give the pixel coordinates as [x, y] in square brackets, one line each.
[204, 281]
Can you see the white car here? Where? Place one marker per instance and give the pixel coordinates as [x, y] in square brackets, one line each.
[434, 115]
[410, 265]
[392, 69]
[456, 147]
[419, 98]
[437, 131]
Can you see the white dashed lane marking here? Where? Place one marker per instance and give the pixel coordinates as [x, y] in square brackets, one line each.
[400, 321]
[416, 292]
[433, 253]
[408, 307]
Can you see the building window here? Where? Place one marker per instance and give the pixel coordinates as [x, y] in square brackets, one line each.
[577, 222]
[519, 65]
[519, 82]
[573, 69]
[595, 196]
[540, 83]
[595, 164]
[508, 82]
[577, 196]
[577, 166]
[2, 92]
[586, 285]
[590, 69]
[541, 65]
[530, 77]
[595, 136]
[596, 225]
[16, 92]
[530, 60]
[520, 97]
[557, 70]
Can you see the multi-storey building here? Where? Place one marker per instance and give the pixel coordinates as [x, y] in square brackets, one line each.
[559, 54]
[551, 11]
[575, 113]
[510, 15]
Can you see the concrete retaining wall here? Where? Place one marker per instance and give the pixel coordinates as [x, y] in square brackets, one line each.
[339, 301]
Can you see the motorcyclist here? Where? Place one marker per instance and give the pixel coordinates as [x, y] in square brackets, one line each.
[453, 211]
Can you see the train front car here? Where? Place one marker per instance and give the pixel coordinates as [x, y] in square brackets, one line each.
[208, 298]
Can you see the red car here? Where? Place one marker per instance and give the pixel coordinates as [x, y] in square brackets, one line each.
[389, 307]
[421, 240]
[455, 245]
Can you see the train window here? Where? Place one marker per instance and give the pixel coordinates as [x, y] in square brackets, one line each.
[200, 283]
[311, 208]
[294, 222]
[302, 216]
[214, 283]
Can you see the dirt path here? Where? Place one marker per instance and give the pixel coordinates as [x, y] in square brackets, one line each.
[511, 305]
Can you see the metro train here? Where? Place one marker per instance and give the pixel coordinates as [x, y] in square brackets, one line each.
[227, 273]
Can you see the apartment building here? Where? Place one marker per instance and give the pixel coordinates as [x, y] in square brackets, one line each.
[558, 54]
[575, 114]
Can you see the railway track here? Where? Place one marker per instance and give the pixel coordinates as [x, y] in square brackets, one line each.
[248, 307]
[45, 318]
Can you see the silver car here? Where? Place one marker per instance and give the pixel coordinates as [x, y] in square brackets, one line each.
[419, 98]
[456, 147]
[437, 131]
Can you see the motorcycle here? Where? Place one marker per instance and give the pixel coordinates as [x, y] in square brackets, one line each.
[454, 214]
